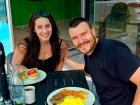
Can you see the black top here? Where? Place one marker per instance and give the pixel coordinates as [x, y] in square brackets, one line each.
[111, 65]
[46, 65]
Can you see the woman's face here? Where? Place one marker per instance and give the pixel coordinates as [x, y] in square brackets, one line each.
[43, 29]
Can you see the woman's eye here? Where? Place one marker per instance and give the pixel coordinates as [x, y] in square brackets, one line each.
[39, 27]
[48, 25]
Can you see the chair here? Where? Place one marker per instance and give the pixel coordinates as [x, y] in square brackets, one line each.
[9, 61]
[117, 19]
[9, 58]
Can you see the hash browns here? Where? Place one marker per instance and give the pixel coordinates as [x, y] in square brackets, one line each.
[81, 94]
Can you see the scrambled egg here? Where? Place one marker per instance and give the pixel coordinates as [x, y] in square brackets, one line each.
[72, 101]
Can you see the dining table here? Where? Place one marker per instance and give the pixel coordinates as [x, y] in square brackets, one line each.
[59, 79]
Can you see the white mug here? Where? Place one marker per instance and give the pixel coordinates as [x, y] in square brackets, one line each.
[29, 94]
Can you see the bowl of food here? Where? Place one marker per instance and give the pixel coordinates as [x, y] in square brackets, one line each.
[69, 97]
[32, 73]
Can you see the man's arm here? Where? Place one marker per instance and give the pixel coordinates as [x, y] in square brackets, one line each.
[135, 78]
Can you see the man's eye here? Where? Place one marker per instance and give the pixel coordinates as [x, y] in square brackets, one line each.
[83, 34]
[74, 38]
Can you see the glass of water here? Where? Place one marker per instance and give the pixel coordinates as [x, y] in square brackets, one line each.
[17, 95]
[17, 89]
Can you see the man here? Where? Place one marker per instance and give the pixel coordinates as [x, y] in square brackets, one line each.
[113, 68]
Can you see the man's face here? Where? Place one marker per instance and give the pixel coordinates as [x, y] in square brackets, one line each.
[83, 38]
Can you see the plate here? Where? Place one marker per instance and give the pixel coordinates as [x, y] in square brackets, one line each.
[41, 76]
[89, 101]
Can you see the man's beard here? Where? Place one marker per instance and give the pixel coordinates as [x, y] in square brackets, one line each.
[91, 49]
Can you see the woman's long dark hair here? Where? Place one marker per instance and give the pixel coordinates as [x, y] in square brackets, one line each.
[33, 43]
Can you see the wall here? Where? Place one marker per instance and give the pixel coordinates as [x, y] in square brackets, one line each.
[60, 9]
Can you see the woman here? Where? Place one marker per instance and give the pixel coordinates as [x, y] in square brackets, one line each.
[42, 48]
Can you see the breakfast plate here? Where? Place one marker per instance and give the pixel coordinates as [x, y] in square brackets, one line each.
[41, 76]
[88, 101]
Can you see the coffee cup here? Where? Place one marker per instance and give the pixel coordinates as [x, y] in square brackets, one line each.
[29, 94]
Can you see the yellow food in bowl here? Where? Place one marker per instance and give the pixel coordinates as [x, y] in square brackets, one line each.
[72, 101]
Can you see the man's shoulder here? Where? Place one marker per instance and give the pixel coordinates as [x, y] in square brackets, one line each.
[113, 43]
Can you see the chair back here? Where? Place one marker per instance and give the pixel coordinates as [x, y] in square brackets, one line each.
[115, 21]
[118, 16]
[9, 58]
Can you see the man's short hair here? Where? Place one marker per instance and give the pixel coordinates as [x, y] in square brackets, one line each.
[76, 21]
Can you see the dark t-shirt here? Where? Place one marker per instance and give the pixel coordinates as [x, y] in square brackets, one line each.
[111, 65]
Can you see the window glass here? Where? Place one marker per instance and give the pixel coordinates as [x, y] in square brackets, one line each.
[4, 30]
[117, 19]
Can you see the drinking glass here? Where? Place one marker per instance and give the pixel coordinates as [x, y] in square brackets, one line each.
[17, 95]
[16, 88]
[9, 72]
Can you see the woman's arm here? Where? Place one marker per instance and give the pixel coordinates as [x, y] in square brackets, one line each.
[73, 64]
[64, 59]
[19, 54]
[63, 53]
